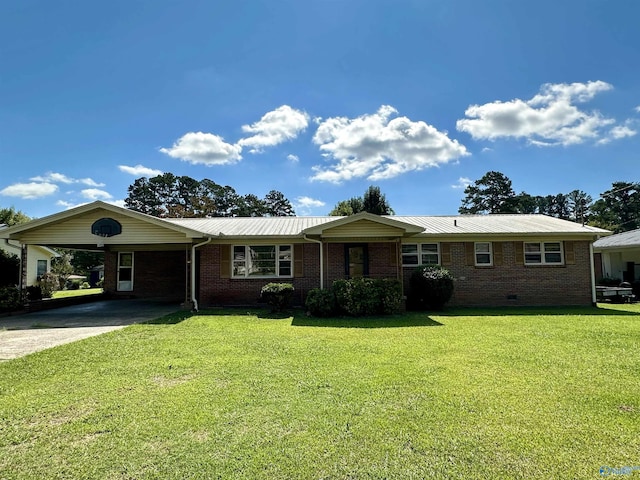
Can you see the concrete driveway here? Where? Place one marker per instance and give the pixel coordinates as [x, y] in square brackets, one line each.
[31, 332]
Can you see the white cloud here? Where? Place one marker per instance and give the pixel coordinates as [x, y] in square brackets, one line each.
[618, 132]
[204, 148]
[30, 190]
[377, 146]
[275, 127]
[637, 109]
[54, 177]
[309, 202]
[306, 204]
[293, 158]
[549, 118]
[463, 182]
[69, 205]
[95, 194]
[140, 171]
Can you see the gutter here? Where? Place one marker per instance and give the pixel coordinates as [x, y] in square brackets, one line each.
[319, 242]
[194, 301]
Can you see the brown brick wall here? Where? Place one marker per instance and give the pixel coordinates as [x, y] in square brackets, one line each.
[162, 274]
[155, 274]
[380, 261]
[568, 284]
[215, 290]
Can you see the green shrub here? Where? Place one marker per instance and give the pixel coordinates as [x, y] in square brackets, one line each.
[321, 303]
[430, 287]
[9, 269]
[10, 299]
[277, 295]
[390, 292]
[34, 292]
[85, 285]
[365, 296]
[49, 283]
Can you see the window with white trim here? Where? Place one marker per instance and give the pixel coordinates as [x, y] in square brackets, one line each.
[543, 253]
[42, 267]
[483, 254]
[251, 261]
[414, 254]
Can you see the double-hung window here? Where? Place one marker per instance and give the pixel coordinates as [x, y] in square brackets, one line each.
[483, 254]
[420, 254]
[41, 267]
[250, 261]
[543, 253]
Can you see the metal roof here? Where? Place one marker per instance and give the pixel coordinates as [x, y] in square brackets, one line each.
[251, 226]
[619, 240]
[431, 225]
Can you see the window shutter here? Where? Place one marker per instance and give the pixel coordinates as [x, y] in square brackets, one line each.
[497, 253]
[298, 260]
[225, 261]
[469, 253]
[393, 254]
[569, 253]
[445, 254]
[519, 253]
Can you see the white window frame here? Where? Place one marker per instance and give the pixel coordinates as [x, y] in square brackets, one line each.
[46, 267]
[543, 253]
[420, 251]
[283, 256]
[476, 253]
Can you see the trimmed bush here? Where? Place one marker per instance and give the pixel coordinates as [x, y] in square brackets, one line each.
[365, 296]
[277, 295]
[430, 287]
[10, 299]
[321, 303]
[390, 292]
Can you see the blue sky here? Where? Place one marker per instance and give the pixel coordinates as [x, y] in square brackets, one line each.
[317, 99]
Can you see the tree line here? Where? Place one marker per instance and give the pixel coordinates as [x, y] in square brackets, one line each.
[168, 195]
[617, 209]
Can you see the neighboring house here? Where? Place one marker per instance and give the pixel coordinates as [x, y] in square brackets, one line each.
[496, 259]
[618, 256]
[38, 258]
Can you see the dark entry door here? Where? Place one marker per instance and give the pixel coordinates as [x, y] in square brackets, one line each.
[356, 260]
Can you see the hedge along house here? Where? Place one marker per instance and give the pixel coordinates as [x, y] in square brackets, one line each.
[496, 259]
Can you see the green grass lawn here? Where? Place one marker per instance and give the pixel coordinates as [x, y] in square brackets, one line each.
[76, 293]
[475, 394]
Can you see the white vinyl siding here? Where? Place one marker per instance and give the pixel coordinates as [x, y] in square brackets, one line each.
[251, 261]
[543, 253]
[414, 254]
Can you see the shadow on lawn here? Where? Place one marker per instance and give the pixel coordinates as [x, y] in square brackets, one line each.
[171, 319]
[547, 311]
[392, 321]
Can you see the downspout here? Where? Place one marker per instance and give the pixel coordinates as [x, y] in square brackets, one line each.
[319, 242]
[593, 275]
[193, 272]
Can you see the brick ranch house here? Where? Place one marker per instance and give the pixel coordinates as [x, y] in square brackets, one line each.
[496, 259]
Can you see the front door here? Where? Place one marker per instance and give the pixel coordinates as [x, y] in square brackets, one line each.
[125, 271]
[356, 260]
